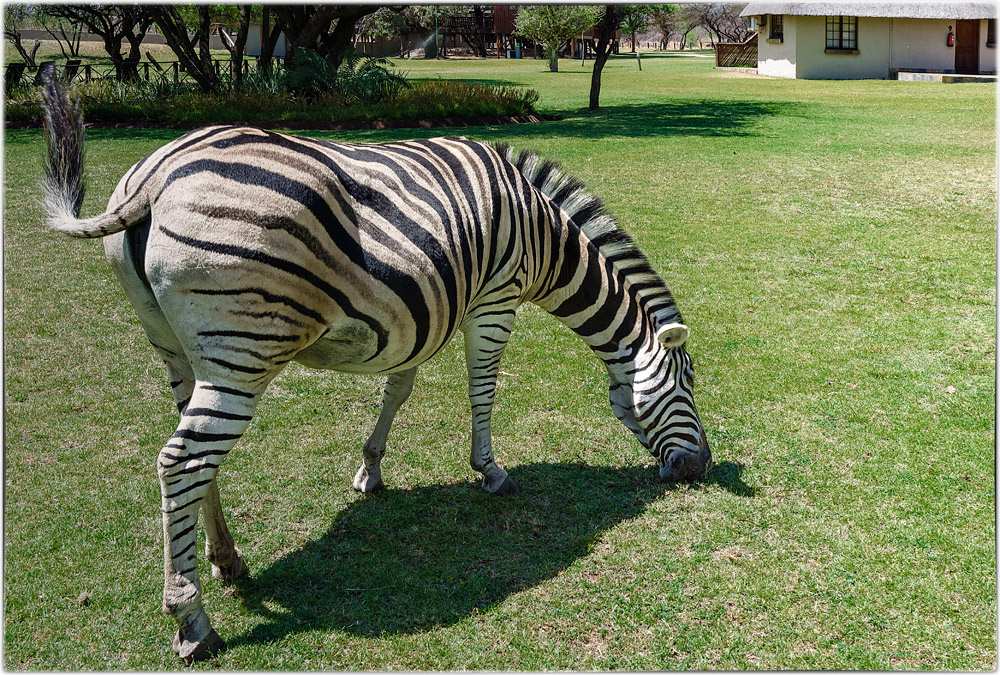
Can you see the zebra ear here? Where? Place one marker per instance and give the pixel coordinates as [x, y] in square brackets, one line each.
[672, 335]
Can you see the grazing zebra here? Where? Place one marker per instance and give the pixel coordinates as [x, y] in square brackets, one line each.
[244, 249]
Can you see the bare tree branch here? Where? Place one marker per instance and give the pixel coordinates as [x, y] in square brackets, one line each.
[175, 32]
[114, 24]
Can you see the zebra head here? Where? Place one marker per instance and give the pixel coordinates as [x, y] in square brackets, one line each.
[658, 406]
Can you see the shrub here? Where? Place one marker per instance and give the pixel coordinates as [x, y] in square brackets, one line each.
[451, 98]
[364, 92]
[368, 78]
[310, 74]
[357, 78]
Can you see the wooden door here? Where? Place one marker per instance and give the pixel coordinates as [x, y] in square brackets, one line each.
[966, 46]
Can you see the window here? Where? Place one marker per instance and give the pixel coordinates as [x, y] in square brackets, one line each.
[991, 32]
[842, 32]
[777, 28]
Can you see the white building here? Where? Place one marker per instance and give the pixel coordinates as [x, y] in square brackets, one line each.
[254, 42]
[853, 40]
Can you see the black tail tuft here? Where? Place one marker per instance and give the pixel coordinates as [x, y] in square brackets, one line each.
[63, 122]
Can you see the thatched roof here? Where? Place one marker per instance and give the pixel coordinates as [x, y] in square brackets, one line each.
[901, 10]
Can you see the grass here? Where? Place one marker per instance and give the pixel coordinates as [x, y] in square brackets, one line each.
[92, 51]
[831, 245]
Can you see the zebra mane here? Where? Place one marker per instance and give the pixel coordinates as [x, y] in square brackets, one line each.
[589, 213]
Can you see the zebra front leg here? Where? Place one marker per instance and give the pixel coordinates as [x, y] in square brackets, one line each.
[485, 340]
[397, 389]
[212, 422]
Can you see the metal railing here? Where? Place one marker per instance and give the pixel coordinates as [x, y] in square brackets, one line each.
[149, 71]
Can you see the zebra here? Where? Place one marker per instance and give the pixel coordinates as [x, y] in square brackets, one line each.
[244, 249]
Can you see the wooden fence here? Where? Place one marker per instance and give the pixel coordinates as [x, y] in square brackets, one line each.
[737, 54]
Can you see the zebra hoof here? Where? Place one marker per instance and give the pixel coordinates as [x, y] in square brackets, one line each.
[208, 647]
[234, 570]
[507, 487]
[365, 482]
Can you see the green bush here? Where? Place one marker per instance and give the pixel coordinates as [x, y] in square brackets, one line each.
[310, 74]
[363, 92]
[357, 77]
[451, 98]
[367, 78]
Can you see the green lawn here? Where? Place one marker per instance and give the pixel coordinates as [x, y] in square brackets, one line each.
[93, 51]
[832, 247]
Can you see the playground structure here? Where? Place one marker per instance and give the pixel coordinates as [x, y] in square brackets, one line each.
[483, 31]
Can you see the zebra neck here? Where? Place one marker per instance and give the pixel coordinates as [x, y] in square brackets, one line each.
[593, 278]
[613, 305]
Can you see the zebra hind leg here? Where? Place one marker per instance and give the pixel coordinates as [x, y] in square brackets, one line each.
[210, 426]
[220, 549]
[397, 389]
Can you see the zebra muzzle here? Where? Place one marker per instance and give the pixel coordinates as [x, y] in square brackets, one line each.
[685, 465]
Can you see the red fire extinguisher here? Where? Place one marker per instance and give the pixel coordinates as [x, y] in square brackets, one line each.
[951, 37]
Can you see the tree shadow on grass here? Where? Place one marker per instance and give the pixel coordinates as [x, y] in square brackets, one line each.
[669, 118]
[406, 561]
[692, 118]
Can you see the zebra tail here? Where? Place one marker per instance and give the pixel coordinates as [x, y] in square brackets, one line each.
[65, 182]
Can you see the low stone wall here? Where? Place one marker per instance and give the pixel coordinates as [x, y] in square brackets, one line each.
[943, 77]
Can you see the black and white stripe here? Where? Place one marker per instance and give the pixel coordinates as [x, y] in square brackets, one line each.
[244, 249]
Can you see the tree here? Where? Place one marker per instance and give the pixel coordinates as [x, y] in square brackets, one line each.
[15, 18]
[236, 46]
[225, 14]
[67, 34]
[197, 64]
[553, 25]
[187, 31]
[610, 22]
[115, 24]
[721, 19]
[635, 19]
[269, 35]
[387, 22]
[309, 27]
[663, 18]
[687, 19]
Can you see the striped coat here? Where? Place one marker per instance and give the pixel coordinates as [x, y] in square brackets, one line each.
[244, 249]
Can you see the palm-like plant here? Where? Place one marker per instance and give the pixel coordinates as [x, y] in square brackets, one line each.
[357, 77]
[367, 78]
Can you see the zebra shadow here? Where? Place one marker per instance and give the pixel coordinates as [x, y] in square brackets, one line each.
[410, 560]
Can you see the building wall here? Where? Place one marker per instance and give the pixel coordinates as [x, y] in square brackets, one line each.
[777, 58]
[871, 61]
[987, 55]
[379, 47]
[883, 45]
[921, 44]
[253, 42]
